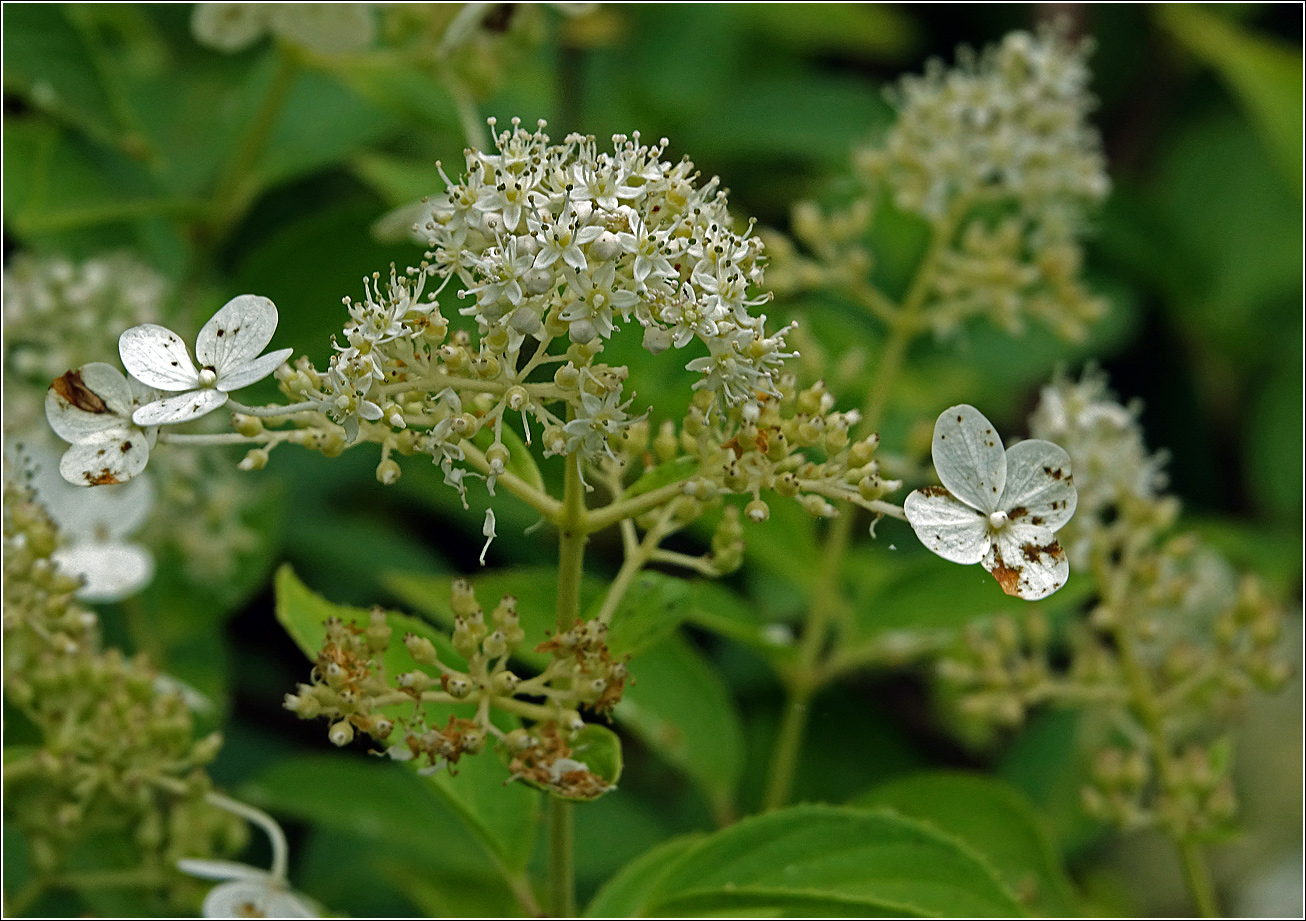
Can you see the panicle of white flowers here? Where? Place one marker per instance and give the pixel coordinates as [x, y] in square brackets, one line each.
[1173, 639]
[352, 688]
[997, 155]
[116, 754]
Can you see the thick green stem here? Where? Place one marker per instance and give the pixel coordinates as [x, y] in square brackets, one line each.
[1147, 705]
[573, 528]
[806, 678]
[804, 681]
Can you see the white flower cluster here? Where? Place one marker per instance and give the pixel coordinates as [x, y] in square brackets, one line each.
[60, 314]
[1120, 483]
[563, 240]
[1011, 121]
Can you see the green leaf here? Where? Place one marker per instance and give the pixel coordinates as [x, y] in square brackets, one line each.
[682, 710]
[653, 606]
[372, 799]
[672, 471]
[993, 819]
[814, 860]
[49, 63]
[1264, 74]
[629, 893]
[536, 590]
[872, 31]
[521, 462]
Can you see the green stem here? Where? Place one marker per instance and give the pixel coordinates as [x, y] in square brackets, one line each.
[573, 528]
[1147, 705]
[806, 678]
[236, 189]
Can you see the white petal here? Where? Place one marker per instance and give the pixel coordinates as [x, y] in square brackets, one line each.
[253, 899]
[1027, 561]
[182, 408]
[1040, 488]
[968, 457]
[251, 371]
[114, 457]
[88, 402]
[157, 357]
[107, 513]
[111, 572]
[221, 869]
[236, 334]
[950, 528]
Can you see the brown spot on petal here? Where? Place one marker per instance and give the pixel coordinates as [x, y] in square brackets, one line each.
[1008, 576]
[1017, 512]
[104, 478]
[1055, 472]
[934, 491]
[73, 389]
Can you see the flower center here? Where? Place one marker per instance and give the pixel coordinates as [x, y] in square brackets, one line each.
[208, 377]
[998, 520]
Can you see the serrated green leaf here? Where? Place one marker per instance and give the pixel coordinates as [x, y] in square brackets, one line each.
[996, 821]
[682, 710]
[628, 894]
[828, 859]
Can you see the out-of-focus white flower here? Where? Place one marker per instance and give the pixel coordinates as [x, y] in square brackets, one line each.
[249, 892]
[91, 408]
[999, 508]
[324, 28]
[488, 531]
[94, 526]
[229, 350]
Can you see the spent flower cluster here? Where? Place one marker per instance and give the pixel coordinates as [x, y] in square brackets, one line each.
[410, 711]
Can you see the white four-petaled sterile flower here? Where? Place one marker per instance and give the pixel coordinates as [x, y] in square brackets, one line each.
[91, 408]
[229, 350]
[999, 508]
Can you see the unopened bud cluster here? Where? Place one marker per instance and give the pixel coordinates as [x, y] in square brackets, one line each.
[116, 755]
[1173, 640]
[440, 709]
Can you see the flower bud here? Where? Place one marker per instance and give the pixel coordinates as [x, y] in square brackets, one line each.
[256, 459]
[341, 734]
[249, 426]
[757, 511]
[505, 682]
[421, 649]
[387, 472]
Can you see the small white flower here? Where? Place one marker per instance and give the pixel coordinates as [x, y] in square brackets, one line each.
[228, 349]
[998, 508]
[487, 530]
[247, 893]
[92, 408]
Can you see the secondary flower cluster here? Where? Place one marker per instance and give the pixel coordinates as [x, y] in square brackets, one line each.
[116, 753]
[1174, 637]
[440, 710]
[997, 156]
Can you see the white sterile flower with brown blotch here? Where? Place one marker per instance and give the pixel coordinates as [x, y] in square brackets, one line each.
[91, 408]
[998, 508]
[229, 350]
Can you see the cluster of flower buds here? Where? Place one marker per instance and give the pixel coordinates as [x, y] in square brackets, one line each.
[1174, 639]
[117, 751]
[997, 156]
[440, 709]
